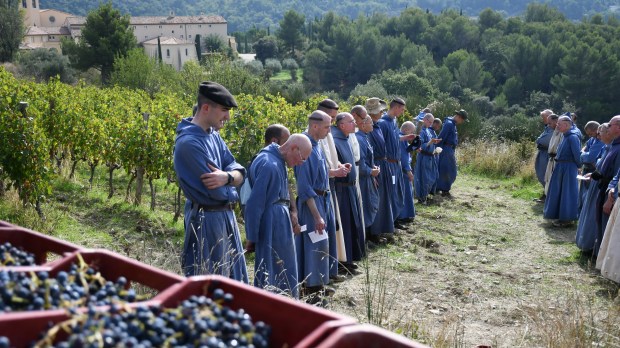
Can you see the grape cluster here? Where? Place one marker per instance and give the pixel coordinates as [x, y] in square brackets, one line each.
[81, 286]
[197, 322]
[14, 256]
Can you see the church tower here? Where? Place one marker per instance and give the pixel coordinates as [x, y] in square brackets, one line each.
[31, 8]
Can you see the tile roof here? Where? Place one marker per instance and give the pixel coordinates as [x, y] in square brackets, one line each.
[165, 40]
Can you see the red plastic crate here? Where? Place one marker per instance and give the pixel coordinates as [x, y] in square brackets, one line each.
[36, 243]
[293, 323]
[22, 328]
[112, 265]
[367, 336]
[25, 328]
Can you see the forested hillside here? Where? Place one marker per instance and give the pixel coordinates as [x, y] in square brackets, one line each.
[244, 14]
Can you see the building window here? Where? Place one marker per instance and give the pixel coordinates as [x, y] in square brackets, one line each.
[189, 36]
[181, 26]
[199, 25]
[181, 36]
[173, 31]
[52, 19]
[186, 52]
[34, 3]
[160, 27]
[167, 52]
[24, 4]
[134, 27]
[145, 27]
[146, 37]
[209, 25]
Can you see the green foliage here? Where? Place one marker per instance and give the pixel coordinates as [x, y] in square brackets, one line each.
[290, 31]
[273, 65]
[214, 43]
[244, 132]
[43, 64]
[266, 47]
[133, 71]
[11, 30]
[105, 36]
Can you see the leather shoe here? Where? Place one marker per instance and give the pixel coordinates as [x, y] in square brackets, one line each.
[338, 278]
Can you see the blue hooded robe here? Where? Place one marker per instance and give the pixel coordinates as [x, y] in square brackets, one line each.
[384, 220]
[542, 156]
[408, 211]
[346, 193]
[425, 173]
[268, 223]
[391, 134]
[589, 155]
[447, 159]
[592, 220]
[563, 196]
[368, 183]
[212, 241]
[313, 258]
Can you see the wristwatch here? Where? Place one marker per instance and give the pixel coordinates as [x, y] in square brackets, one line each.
[230, 178]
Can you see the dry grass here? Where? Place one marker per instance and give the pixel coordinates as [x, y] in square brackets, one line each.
[498, 159]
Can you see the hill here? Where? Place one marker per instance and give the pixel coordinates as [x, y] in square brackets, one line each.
[245, 14]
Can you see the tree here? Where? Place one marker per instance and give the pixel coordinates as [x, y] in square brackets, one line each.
[214, 43]
[105, 36]
[11, 29]
[43, 64]
[290, 32]
[133, 70]
[266, 47]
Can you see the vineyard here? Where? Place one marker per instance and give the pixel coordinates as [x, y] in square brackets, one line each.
[46, 126]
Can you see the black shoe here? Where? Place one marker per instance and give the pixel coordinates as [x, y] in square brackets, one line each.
[376, 239]
[446, 194]
[400, 226]
[389, 237]
[317, 300]
[338, 278]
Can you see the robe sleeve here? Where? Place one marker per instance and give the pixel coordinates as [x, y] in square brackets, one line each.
[191, 161]
[575, 150]
[591, 153]
[303, 176]
[405, 160]
[265, 180]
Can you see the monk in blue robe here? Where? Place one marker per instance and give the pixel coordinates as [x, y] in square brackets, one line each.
[447, 160]
[268, 224]
[563, 195]
[407, 214]
[368, 172]
[590, 229]
[542, 155]
[589, 155]
[384, 220]
[314, 208]
[208, 173]
[391, 134]
[346, 191]
[425, 173]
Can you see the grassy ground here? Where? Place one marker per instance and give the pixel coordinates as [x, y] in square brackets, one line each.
[285, 75]
[482, 268]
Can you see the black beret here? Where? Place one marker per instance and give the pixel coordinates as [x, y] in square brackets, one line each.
[462, 113]
[398, 101]
[217, 93]
[328, 104]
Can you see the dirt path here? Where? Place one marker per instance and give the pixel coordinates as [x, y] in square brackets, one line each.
[484, 268]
